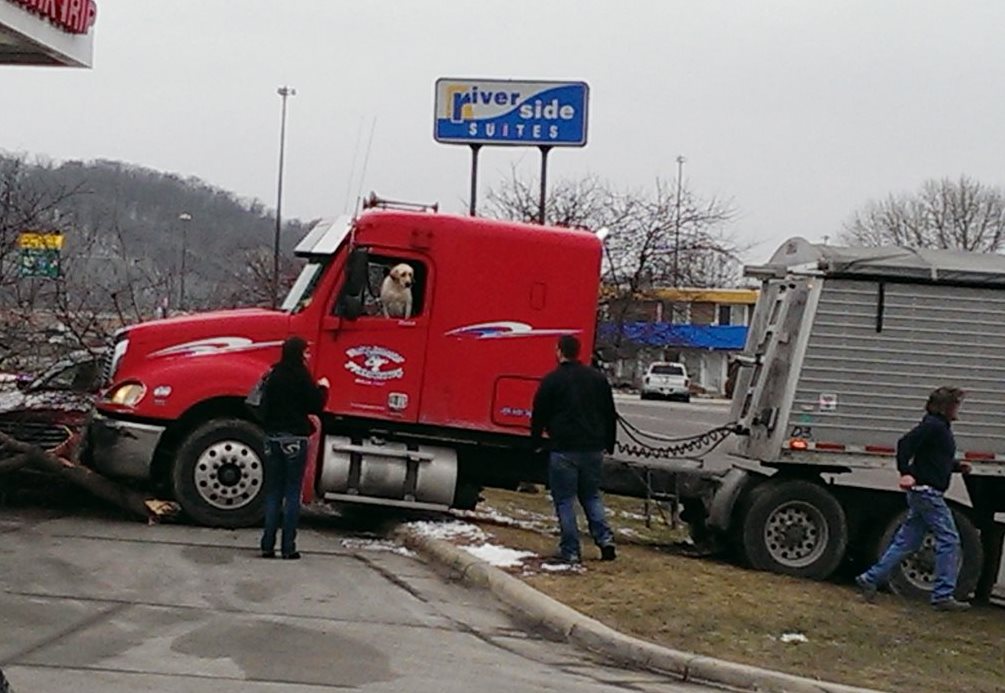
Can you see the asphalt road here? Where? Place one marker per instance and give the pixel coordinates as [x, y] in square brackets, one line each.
[89, 602]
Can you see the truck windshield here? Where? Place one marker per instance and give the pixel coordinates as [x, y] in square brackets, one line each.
[303, 288]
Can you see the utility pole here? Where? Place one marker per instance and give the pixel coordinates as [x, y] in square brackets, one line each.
[184, 218]
[676, 232]
[284, 92]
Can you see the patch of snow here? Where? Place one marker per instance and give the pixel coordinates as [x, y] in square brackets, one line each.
[631, 516]
[499, 556]
[494, 516]
[794, 637]
[377, 545]
[448, 530]
[558, 567]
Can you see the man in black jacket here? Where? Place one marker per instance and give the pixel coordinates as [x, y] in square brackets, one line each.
[926, 460]
[574, 404]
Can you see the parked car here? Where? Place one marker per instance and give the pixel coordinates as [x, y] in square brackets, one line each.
[666, 379]
[49, 409]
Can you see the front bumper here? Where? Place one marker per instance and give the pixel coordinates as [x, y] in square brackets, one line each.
[122, 448]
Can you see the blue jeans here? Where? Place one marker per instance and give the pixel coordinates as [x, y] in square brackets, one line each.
[285, 459]
[927, 512]
[574, 475]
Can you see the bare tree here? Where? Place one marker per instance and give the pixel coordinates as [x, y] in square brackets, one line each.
[649, 244]
[959, 214]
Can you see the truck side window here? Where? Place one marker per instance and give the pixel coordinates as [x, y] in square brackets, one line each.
[410, 277]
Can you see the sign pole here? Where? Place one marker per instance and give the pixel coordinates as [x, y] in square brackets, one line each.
[474, 179]
[544, 183]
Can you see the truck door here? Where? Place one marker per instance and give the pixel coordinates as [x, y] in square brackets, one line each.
[375, 362]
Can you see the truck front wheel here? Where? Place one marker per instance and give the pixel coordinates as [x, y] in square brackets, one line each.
[218, 474]
[794, 527]
[915, 576]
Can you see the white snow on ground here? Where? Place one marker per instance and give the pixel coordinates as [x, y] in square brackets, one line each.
[473, 540]
[499, 556]
[794, 637]
[489, 514]
[448, 530]
[377, 545]
[559, 567]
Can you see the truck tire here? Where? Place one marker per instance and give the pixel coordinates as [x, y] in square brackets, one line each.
[218, 474]
[793, 527]
[913, 578]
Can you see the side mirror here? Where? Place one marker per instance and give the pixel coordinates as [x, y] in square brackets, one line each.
[350, 307]
[356, 272]
[350, 301]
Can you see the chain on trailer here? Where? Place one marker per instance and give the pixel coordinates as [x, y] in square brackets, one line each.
[689, 448]
[644, 444]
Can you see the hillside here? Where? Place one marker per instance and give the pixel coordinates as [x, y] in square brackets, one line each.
[121, 219]
[121, 260]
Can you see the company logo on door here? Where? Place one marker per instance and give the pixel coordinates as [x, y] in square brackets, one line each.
[375, 363]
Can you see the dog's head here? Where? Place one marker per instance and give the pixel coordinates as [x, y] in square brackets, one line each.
[403, 275]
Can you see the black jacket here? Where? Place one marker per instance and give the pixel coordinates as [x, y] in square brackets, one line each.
[290, 395]
[574, 404]
[928, 452]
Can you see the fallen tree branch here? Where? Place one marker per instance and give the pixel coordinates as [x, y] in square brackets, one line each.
[102, 487]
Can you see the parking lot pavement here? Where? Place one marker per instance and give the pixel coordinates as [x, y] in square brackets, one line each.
[92, 603]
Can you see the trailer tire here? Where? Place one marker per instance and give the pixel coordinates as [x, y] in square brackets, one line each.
[913, 578]
[793, 527]
[218, 474]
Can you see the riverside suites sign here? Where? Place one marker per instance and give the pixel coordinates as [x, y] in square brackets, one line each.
[71, 16]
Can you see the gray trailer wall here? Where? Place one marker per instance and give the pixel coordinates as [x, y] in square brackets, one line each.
[870, 362]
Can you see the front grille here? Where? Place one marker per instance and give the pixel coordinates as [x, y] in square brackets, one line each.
[111, 358]
[107, 359]
[44, 435]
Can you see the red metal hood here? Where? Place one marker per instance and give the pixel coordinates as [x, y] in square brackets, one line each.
[204, 333]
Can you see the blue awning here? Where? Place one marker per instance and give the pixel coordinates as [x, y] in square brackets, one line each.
[661, 334]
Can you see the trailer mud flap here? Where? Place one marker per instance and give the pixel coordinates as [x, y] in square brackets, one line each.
[724, 500]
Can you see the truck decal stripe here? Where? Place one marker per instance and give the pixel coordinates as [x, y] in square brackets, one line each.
[507, 330]
[214, 345]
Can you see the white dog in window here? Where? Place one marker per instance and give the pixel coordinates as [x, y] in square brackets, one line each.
[396, 292]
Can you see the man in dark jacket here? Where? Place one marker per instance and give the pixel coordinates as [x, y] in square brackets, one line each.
[926, 460]
[290, 396]
[574, 404]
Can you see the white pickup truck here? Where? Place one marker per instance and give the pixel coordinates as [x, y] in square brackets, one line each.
[664, 379]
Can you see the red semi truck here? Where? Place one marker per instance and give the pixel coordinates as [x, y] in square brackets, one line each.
[423, 411]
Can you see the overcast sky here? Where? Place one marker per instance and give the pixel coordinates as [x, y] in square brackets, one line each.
[798, 110]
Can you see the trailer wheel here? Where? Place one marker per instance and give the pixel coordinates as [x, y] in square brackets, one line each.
[218, 474]
[915, 576]
[794, 527]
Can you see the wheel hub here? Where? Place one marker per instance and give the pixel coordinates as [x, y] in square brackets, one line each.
[920, 568]
[796, 534]
[228, 474]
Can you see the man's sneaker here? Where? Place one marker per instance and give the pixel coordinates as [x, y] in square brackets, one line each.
[608, 552]
[572, 559]
[950, 605]
[866, 588]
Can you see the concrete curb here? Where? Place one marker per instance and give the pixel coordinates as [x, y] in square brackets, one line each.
[572, 626]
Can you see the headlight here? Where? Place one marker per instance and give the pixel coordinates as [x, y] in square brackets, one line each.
[127, 394]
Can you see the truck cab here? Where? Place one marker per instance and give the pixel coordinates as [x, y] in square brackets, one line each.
[424, 409]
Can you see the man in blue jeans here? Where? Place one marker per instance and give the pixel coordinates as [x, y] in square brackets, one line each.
[926, 459]
[574, 404]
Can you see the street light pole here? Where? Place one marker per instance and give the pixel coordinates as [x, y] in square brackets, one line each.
[676, 231]
[184, 218]
[284, 92]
